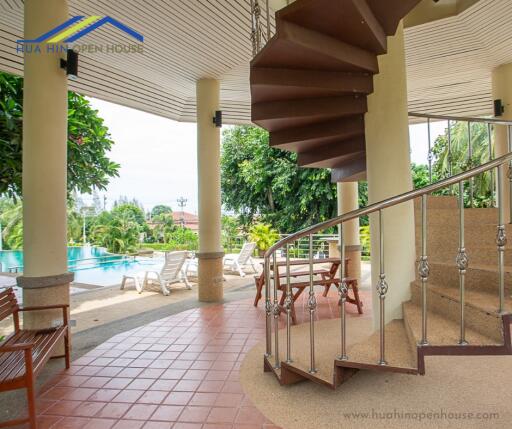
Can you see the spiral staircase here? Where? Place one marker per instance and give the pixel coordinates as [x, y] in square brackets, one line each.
[309, 83]
[309, 87]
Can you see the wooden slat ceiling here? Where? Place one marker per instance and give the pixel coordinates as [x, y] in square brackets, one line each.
[449, 61]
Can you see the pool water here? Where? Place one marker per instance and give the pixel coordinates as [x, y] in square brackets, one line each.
[91, 265]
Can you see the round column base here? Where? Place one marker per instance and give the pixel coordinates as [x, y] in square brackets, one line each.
[42, 291]
[210, 277]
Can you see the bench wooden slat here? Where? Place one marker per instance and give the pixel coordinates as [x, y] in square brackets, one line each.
[15, 373]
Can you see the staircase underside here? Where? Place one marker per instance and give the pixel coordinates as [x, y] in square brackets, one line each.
[310, 82]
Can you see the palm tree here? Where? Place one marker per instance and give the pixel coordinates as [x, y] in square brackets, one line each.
[454, 158]
[11, 218]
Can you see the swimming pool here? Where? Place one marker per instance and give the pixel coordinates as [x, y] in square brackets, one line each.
[91, 265]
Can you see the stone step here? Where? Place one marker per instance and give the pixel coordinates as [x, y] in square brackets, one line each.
[399, 355]
[451, 216]
[478, 254]
[441, 330]
[480, 308]
[484, 278]
[438, 202]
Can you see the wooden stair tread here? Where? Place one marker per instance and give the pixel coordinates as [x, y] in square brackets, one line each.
[322, 49]
[348, 20]
[440, 330]
[399, 355]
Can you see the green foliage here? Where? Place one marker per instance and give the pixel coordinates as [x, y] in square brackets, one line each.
[88, 142]
[11, 218]
[182, 239]
[364, 233]
[263, 235]
[164, 227]
[231, 232]
[130, 211]
[160, 209]
[117, 231]
[261, 182]
[457, 159]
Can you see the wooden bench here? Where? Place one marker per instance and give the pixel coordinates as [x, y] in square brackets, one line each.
[24, 353]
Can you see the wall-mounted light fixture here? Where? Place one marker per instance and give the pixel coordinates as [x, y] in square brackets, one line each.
[217, 119]
[499, 109]
[70, 64]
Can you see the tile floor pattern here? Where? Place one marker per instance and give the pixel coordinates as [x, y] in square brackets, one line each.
[181, 372]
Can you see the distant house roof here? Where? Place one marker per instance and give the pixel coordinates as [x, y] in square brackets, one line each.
[191, 220]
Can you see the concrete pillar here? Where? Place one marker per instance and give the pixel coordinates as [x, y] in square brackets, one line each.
[348, 200]
[502, 90]
[389, 174]
[45, 279]
[210, 276]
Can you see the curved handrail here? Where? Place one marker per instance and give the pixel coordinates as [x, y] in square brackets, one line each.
[460, 118]
[397, 199]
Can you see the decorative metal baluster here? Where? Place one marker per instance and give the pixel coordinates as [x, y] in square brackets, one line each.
[509, 174]
[494, 202]
[268, 19]
[470, 164]
[462, 264]
[311, 307]
[288, 305]
[276, 311]
[430, 156]
[343, 290]
[450, 168]
[423, 270]
[256, 27]
[382, 289]
[501, 241]
[268, 309]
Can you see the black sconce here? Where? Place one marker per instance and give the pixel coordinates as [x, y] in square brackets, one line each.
[217, 119]
[70, 64]
[499, 109]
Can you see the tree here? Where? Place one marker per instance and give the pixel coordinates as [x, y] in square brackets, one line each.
[118, 232]
[261, 181]
[164, 226]
[160, 209]
[131, 211]
[456, 158]
[88, 142]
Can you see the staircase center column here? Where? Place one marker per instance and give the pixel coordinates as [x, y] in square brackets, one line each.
[348, 200]
[502, 90]
[45, 279]
[210, 254]
[389, 174]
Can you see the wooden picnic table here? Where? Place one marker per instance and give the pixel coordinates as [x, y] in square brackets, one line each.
[327, 277]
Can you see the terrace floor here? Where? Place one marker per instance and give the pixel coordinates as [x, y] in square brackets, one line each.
[180, 372]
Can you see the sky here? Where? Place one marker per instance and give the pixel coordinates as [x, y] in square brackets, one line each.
[158, 156]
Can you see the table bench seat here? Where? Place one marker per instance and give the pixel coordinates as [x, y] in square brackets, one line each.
[327, 278]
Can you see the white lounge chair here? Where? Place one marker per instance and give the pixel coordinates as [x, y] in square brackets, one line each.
[236, 261]
[171, 272]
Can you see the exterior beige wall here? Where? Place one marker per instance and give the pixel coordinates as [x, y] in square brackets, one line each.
[389, 173]
[44, 164]
[348, 200]
[208, 167]
[502, 89]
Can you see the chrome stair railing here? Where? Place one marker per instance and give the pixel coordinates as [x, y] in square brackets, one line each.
[451, 120]
[273, 309]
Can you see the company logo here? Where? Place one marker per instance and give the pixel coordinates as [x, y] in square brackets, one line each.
[65, 36]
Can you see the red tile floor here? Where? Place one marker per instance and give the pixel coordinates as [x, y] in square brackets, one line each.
[181, 372]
